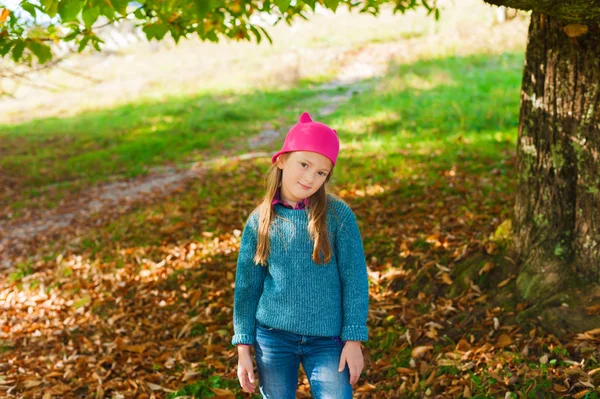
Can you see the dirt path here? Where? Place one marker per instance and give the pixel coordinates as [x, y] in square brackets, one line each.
[19, 237]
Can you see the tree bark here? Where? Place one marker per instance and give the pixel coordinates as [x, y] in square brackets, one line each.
[557, 208]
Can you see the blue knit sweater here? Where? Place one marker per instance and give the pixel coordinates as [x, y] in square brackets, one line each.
[296, 294]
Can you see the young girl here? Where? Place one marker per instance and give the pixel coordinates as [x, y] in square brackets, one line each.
[301, 286]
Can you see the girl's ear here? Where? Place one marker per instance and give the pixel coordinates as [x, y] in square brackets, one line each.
[279, 162]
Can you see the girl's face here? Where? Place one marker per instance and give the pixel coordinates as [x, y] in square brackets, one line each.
[304, 172]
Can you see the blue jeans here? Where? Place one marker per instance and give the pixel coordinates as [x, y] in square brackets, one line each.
[279, 353]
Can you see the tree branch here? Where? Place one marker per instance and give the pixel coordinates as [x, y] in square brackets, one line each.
[583, 11]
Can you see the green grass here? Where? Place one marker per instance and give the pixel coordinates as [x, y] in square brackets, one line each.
[73, 153]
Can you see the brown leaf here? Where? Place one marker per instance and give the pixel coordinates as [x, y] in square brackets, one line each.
[505, 282]
[366, 387]
[135, 348]
[420, 351]
[30, 384]
[503, 341]
[156, 387]
[404, 370]
[593, 309]
[223, 393]
[463, 345]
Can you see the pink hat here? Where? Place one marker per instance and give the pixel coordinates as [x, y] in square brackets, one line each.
[307, 135]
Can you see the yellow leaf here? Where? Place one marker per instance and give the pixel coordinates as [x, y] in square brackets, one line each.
[504, 282]
[486, 268]
[574, 30]
[446, 278]
[581, 394]
[5, 13]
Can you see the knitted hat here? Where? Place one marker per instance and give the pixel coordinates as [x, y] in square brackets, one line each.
[307, 135]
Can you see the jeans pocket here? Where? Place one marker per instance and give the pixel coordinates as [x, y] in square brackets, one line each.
[258, 325]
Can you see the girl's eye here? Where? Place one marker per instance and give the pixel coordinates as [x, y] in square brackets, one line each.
[303, 164]
[323, 174]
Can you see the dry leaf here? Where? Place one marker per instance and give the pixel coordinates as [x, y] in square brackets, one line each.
[223, 393]
[581, 394]
[560, 388]
[574, 30]
[420, 351]
[156, 387]
[503, 341]
[486, 268]
[446, 278]
[593, 310]
[463, 345]
[366, 387]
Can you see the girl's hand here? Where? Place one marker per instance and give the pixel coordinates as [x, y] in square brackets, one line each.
[352, 354]
[245, 369]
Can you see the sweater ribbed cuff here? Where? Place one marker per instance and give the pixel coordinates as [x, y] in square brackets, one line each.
[355, 333]
[242, 339]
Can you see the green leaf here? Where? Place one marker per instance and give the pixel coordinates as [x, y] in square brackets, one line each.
[83, 43]
[139, 13]
[18, 50]
[5, 48]
[41, 51]
[30, 8]
[69, 9]
[50, 7]
[311, 3]
[107, 11]
[72, 35]
[283, 4]
[157, 31]
[266, 34]
[120, 6]
[90, 15]
[205, 6]
[256, 33]
[332, 4]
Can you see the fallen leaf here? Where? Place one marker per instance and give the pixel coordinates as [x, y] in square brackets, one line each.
[593, 310]
[366, 387]
[446, 278]
[486, 268]
[222, 393]
[420, 351]
[503, 341]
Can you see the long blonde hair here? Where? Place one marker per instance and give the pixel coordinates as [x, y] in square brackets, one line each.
[317, 217]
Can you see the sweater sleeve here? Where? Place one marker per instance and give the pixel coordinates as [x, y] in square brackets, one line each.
[355, 282]
[249, 278]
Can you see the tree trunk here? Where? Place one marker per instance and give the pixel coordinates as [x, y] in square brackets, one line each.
[557, 208]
